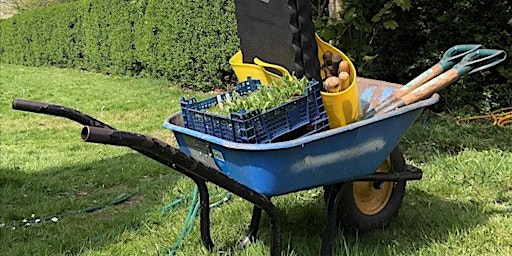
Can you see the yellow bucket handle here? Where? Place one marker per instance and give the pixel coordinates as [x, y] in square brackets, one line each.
[284, 71]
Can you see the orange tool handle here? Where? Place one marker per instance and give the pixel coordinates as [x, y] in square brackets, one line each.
[431, 86]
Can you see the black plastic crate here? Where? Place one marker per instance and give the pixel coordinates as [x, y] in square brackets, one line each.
[304, 115]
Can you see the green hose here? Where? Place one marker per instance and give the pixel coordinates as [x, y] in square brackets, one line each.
[189, 222]
[56, 217]
[188, 225]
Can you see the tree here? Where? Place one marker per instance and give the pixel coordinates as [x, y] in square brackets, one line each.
[351, 25]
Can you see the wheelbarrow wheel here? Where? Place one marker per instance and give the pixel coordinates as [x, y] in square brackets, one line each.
[367, 206]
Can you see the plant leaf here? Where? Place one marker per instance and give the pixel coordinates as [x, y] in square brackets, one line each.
[390, 24]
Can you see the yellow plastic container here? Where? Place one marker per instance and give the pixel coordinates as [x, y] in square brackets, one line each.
[257, 70]
[343, 107]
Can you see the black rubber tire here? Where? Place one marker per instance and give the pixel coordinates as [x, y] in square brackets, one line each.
[349, 216]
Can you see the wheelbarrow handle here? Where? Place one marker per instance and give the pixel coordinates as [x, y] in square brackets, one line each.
[168, 155]
[99, 132]
[29, 106]
[56, 110]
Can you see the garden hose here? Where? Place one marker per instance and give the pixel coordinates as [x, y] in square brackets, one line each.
[56, 217]
[192, 214]
[188, 224]
[501, 117]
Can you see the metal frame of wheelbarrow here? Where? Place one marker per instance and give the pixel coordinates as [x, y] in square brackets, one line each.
[99, 132]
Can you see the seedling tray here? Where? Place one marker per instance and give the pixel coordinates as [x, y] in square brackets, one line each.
[301, 116]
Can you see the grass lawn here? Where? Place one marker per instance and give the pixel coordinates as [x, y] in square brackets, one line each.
[463, 205]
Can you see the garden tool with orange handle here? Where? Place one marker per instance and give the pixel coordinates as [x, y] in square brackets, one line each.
[473, 62]
[450, 58]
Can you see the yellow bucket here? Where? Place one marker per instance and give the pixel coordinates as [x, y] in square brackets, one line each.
[343, 107]
[257, 70]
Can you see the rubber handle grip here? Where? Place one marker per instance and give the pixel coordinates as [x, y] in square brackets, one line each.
[56, 110]
[30, 106]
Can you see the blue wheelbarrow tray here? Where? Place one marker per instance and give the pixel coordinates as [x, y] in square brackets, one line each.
[329, 157]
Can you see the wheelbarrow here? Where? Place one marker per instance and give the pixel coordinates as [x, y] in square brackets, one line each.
[360, 166]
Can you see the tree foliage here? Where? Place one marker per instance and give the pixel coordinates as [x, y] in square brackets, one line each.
[395, 40]
[358, 17]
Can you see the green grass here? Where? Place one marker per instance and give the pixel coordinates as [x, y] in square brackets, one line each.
[463, 205]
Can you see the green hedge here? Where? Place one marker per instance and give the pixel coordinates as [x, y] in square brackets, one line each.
[190, 42]
[186, 42]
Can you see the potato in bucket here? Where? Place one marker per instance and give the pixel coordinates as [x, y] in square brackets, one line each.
[342, 107]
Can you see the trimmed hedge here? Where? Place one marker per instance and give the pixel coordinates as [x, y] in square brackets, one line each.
[190, 42]
[186, 42]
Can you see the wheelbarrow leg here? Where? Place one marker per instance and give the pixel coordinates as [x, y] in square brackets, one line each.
[333, 200]
[204, 212]
[253, 228]
[172, 157]
[275, 226]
